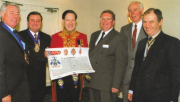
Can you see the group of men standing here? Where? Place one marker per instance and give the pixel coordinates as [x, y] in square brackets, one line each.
[22, 71]
[141, 58]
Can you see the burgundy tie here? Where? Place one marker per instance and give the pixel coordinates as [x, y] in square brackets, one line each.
[134, 37]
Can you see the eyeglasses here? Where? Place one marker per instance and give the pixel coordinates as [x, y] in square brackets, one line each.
[107, 18]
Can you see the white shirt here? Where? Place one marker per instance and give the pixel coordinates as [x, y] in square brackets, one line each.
[33, 33]
[103, 36]
[139, 25]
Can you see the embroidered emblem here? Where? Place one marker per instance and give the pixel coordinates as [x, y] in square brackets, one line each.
[73, 51]
[55, 63]
[69, 38]
[65, 52]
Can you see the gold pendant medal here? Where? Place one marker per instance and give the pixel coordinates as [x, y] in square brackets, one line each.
[36, 48]
[26, 57]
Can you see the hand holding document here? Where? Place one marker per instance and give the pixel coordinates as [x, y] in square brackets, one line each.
[66, 61]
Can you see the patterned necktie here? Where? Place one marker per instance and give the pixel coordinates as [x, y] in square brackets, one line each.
[149, 43]
[35, 36]
[101, 36]
[134, 37]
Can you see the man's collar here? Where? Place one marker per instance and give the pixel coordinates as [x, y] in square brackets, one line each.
[107, 31]
[138, 24]
[8, 26]
[33, 32]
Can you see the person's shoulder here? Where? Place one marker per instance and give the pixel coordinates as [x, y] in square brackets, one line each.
[44, 34]
[56, 34]
[127, 26]
[81, 34]
[23, 31]
[96, 32]
[170, 39]
[118, 35]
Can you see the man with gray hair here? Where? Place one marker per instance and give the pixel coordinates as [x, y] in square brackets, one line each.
[134, 33]
[13, 58]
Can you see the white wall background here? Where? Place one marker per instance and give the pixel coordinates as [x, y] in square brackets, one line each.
[89, 11]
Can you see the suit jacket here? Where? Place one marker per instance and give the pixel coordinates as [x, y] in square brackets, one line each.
[109, 63]
[59, 39]
[13, 76]
[127, 31]
[37, 60]
[156, 79]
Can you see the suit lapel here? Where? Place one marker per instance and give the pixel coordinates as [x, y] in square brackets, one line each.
[15, 41]
[141, 36]
[140, 52]
[105, 40]
[129, 32]
[155, 48]
[29, 39]
[93, 41]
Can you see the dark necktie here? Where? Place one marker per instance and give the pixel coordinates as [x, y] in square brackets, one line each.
[134, 37]
[101, 36]
[16, 33]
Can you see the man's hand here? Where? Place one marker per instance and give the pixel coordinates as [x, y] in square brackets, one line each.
[130, 96]
[7, 98]
[46, 53]
[114, 90]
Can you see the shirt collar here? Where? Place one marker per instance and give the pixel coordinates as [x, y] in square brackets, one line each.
[155, 34]
[33, 32]
[107, 31]
[9, 27]
[139, 24]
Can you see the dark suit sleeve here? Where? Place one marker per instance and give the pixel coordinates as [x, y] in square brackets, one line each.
[91, 43]
[3, 82]
[138, 61]
[120, 62]
[174, 63]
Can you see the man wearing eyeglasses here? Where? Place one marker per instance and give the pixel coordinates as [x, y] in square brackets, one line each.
[108, 57]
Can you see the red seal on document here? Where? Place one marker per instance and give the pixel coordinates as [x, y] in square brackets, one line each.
[65, 52]
[73, 51]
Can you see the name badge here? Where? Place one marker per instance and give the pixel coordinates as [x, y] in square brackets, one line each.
[105, 46]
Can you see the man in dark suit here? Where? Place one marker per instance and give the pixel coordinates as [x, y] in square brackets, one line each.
[13, 58]
[108, 57]
[156, 75]
[135, 11]
[37, 41]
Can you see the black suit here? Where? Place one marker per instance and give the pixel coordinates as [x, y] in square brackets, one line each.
[13, 76]
[37, 69]
[156, 79]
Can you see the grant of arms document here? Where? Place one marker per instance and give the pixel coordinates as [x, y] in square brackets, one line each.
[66, 61]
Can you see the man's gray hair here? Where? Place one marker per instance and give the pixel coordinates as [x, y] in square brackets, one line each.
[140, 4]
[3, 7]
